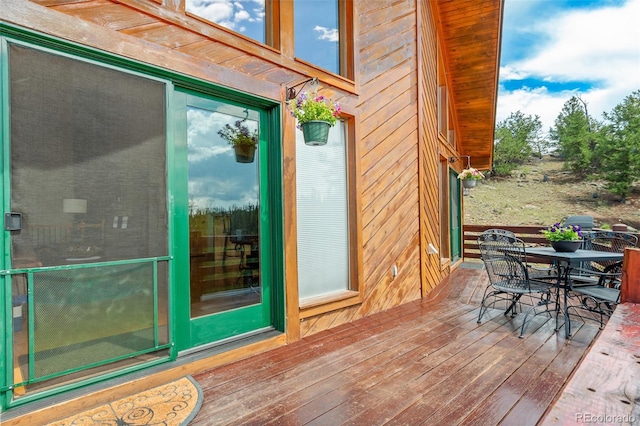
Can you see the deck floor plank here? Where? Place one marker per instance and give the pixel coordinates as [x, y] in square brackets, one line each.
[426, 362]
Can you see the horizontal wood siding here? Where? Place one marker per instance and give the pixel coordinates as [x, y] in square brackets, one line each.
[429, 149]
[392, 100]
[389, 161]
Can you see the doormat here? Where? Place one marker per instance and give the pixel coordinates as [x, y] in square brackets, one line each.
[175, 403]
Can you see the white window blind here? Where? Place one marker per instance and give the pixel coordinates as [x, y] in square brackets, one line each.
[323, 219]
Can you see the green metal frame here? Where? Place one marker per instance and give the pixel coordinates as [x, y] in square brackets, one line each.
[31, 378]
[271, 158]
[223, 325]
[455, 237]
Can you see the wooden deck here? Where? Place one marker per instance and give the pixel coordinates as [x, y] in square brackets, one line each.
[426, 362]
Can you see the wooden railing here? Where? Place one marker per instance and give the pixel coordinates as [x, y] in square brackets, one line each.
[531, 236]
[604, 388]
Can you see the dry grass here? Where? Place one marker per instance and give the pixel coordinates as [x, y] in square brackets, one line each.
[527, 199]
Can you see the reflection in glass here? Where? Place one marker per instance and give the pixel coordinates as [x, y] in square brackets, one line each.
[317, 35]
[224, 211]
[243, 16]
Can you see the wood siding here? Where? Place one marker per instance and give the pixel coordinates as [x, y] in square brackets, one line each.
[430, 225]
[392, 99]
[469, 32]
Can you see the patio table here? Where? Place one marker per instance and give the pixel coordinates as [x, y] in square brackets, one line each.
[565, 261]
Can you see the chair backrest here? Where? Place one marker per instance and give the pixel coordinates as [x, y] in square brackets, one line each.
[585, 222]
[500, 232]
[609, 241]
[503, 257]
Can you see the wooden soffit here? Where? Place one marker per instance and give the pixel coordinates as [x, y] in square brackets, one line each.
[471, 33]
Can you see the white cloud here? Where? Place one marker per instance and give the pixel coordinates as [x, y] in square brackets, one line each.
[229, 14]
[220, 11]
[599, 46]
[326, 33]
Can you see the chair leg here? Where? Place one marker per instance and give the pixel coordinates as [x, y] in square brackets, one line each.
[512, 307]
[483, 308]
[544, 301]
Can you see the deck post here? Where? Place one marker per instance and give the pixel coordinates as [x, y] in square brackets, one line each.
[630, 291]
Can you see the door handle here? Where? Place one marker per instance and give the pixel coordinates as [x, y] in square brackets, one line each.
[12, 221]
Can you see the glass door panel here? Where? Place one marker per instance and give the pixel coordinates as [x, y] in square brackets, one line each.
[227, 292]
[224, 209]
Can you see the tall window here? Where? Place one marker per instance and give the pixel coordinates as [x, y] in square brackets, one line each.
[323, 215]
[317, 33]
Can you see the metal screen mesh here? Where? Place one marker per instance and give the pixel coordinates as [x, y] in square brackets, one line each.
[88, 177]
[85, 316]
[88, 161]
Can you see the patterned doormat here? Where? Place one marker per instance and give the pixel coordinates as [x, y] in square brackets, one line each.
[175, 403]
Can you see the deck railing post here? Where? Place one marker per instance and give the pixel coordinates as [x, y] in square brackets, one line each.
[630, 291]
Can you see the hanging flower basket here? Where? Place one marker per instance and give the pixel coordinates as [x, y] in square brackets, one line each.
[469, 183]
[245, 153]
[315, 132]
[315, 115]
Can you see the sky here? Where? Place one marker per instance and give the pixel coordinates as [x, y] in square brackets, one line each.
[555, 49]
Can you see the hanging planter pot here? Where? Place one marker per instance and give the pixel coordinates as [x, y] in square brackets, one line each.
[469, 183]
[245, 153]
[315, 132]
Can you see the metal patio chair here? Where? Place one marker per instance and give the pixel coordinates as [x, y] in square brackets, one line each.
[596, 285]
[584, 221]
[535, 270]
[499, 231]
[505, 263]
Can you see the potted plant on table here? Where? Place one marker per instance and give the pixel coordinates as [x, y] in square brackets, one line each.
[315, 115]
[564, 238]
[244, 141]
[470, 177]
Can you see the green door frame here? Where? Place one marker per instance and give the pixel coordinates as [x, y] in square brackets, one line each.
[178, 237]
[208, 329]
[455, 213]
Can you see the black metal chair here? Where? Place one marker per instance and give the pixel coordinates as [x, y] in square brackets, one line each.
[500, 232]
[509, 279]
[536, 271]
[585, 222]
[596, 285]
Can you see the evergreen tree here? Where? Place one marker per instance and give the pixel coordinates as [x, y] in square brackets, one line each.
[619, 148]
[515, 138]
[574, 137]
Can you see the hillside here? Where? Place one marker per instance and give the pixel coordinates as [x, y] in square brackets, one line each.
[530, 199]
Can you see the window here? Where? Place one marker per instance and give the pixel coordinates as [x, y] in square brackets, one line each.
[324, 34]
[250, 18]
[317, 33]
[443, 111]
[323, 216]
